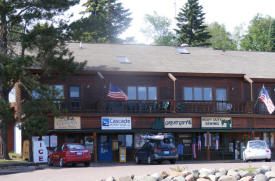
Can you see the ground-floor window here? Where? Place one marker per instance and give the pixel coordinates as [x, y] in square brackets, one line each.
[125, 141]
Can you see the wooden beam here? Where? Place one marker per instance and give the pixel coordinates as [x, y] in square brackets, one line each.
[171, 76]
[250, 81]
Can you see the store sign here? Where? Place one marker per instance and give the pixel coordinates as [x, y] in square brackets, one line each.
[40, 153]
[117, 123]
[67, 122]
[178, 123]
[216, 123]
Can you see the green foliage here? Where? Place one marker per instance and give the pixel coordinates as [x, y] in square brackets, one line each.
[261, 34]
[18, 24]
[191, 28]
[157, 27]
[106, 20]
[220, 38]
[37, 109]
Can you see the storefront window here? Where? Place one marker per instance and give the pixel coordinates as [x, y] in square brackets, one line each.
[125, 141]
[139, 140]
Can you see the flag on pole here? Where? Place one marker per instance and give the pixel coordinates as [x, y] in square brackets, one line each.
[199, 143]
[263, 95]
[116, 93]
[217, 142]
[194, 151]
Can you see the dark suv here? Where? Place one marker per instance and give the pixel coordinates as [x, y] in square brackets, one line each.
[157, 150]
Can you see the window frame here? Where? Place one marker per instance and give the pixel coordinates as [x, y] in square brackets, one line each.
[146, 91]
[202, 89]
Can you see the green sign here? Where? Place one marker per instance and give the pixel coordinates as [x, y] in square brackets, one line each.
[216, 123]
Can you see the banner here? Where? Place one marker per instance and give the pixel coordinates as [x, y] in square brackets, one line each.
[216, 123]
[40, 152]
[67, 122]
[178, 123]
[116, 123]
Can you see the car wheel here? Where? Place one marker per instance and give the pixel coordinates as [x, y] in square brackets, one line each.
[86, 164]
[137, 160]
[149, 160]
[268, 160]
[61, 163]
[172, 161]
[49, 162]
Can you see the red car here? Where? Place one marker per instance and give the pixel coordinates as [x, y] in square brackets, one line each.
[70, 153]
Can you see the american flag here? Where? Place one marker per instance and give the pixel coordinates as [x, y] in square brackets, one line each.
[116, 93]
[266, 100]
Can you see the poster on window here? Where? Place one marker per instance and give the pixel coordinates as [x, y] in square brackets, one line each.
[139, 140]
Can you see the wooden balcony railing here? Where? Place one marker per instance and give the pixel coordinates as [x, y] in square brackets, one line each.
[167, 106]
[217, 107]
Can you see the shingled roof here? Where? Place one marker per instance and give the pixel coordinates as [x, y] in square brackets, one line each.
[144, 58]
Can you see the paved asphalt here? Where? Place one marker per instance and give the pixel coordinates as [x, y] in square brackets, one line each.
[98, 171]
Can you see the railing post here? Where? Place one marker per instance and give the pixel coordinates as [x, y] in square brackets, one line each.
[173, 106]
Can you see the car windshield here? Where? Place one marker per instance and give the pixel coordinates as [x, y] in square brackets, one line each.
[74, 147]
[166, 143]
[257, 144]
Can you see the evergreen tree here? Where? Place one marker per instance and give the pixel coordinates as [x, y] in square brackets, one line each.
[106, 20]
[45, 43]
[191, 28]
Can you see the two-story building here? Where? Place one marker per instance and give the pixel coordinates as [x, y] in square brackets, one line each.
[207, 99]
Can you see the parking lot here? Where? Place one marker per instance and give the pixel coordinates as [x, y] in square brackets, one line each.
[98, 171]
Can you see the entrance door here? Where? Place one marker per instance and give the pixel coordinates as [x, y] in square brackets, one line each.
[105, 148]
[221, 100]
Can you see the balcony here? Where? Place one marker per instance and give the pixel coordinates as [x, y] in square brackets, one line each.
[167, 106]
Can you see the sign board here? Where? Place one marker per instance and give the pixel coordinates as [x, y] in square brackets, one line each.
[216, 123]
[40, 152]
[116, 123]
[67, 122]
[178, 123]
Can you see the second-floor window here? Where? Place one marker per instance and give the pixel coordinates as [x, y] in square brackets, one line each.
[142, 92]
[74, 95]
[197, 94]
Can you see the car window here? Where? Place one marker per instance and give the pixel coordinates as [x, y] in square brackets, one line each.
[257, 145]
[74, 147]
[166, 143]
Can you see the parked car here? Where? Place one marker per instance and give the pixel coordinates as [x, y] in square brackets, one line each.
[69, 153]
[257, 150]
[157, 150]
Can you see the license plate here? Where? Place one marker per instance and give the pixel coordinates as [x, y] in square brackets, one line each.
[166, 152]
[79, 153]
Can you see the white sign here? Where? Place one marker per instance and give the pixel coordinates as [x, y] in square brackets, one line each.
[178, 123]
[40, 152]
[116, 123]
[67, 122]
[216, 123]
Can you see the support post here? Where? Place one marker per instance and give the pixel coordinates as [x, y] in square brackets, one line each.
[208, 146]
[95, 147]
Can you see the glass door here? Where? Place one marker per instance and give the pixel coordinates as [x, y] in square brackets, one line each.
[221, 98]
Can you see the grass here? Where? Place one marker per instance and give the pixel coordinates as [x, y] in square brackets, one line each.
[178, 169]
[15, 159]
[249, 168]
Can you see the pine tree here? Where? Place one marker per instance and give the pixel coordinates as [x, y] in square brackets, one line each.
[106, 20]
[191, 28]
